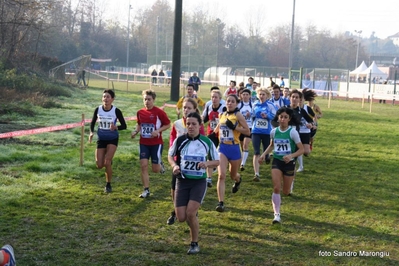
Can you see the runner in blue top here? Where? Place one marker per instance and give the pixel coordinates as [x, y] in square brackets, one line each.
[277, 99]
[194, 153]
[263, 113]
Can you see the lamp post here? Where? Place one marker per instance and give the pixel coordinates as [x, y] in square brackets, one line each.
[128, 38]
[291, 54]
[217, 42]
[156, 43]
[358, 46]
[217, 48]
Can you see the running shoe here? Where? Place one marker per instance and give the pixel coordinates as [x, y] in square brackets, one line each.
[220, 207]
[300, 169]
[277, 219]
[172, 218]
[242, 168]
[209, 182]
[8, 249]
[162, 168]
[194, 248]
[145, 194]
[236, 186]
[256, 178]
[108, 189]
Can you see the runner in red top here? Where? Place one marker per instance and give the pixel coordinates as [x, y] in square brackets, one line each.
[232, 89]
[151, 121]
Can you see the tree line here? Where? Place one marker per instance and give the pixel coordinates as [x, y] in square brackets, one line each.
[53, 31]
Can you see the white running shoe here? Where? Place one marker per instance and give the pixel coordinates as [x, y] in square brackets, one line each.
[8, 249]
[277, 218]
[209, 181]
[300, 169]
[145, 194]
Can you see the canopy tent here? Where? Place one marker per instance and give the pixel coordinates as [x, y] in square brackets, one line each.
[373, 72]
[362, 67]
[216, 73]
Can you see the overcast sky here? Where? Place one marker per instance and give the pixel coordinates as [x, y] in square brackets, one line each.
[336, 15]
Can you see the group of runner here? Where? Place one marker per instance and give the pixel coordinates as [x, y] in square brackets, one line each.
[281, 123]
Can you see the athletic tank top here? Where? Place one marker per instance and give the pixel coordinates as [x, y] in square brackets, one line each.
[227, 135]
[105, 120]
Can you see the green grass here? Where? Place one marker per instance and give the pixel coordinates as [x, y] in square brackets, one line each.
[55, 212]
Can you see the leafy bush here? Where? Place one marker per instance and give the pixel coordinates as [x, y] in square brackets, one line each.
[24, 108]
[31, 83]
[51, 89]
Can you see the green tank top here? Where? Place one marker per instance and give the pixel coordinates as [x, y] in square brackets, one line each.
[283, 144]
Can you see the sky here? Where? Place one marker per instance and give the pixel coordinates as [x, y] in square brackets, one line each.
[338, 16]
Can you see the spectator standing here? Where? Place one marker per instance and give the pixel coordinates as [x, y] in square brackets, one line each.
[272, 83]
[154, 75]
[282, 83]
[161, 74]
[81, 77]
[195, 80]
[169, 75]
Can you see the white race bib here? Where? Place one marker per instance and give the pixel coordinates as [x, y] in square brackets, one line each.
[213, 123]
[105, 122]
[282, 147]
[226, 134]
[146, 130]
[303, 128]
[261, 123]
[190, 165]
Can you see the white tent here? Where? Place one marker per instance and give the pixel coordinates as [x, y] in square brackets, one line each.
[373, 72]
[362, 67]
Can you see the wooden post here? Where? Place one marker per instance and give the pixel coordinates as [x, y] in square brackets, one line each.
[329, 99]
[363, 101]
[371, 101]
[82, 139]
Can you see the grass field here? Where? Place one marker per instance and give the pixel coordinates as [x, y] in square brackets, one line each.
[54, 212]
